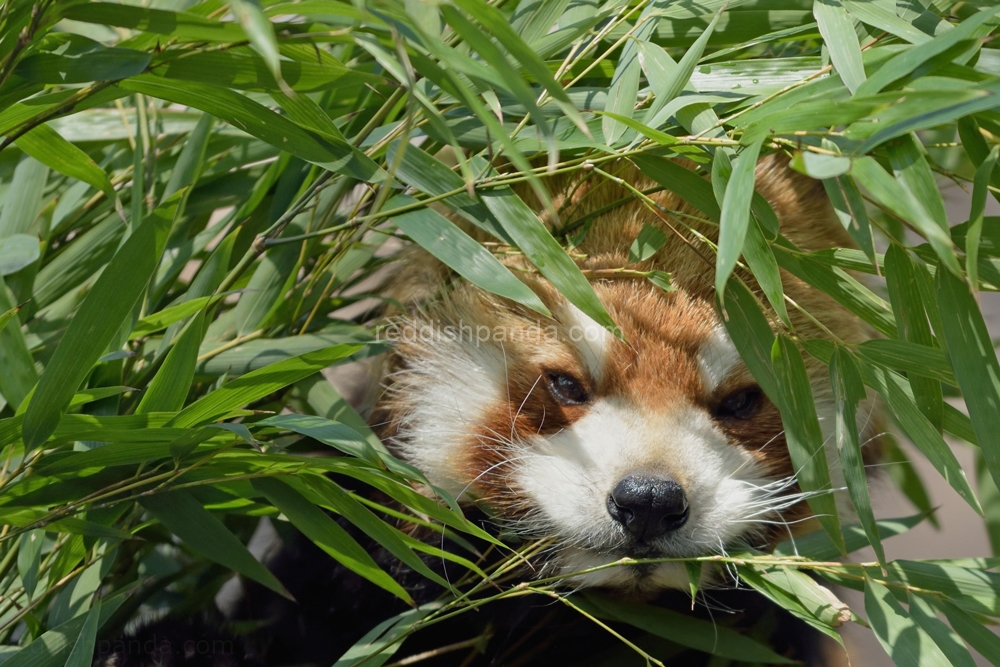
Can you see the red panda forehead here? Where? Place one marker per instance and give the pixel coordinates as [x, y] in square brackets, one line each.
[657, 363]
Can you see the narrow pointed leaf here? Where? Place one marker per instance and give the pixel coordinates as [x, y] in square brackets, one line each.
[195, 526]
[327, 534]
[107, 305]
[735, 214]
[841, 40]
[803, 435]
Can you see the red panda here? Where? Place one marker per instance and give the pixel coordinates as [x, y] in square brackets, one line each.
[655, 444]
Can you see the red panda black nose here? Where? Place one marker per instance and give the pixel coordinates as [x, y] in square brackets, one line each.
[648, 507]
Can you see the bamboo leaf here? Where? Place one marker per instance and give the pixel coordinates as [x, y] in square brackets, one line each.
[911, 58]
[971, 630]
[837, 28]
[82, 654]
[325, 532]
[440, 237]
[195, 526]
[897, 199]
[984, 175]
[48, 147]
[848, 391]
[260, 32]
[684, 630]
[974, 358]
[945, 638]
[545, 253]
[101, 314]
[803, 435]
[257, 384]
[735, 215]
[169, 388]
[891, 623]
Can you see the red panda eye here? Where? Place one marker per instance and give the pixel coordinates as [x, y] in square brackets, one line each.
[741, 404]
[566, 389]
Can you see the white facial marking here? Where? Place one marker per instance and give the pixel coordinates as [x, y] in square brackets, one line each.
[447, 389]
[591, 339]
[568, 477]
[716, 358]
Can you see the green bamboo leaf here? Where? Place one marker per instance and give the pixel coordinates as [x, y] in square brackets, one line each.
[82, 654]
[259, 31]
[499, 25]
[7, 317]
[107, 305]
[685, 630]
[915, 359]
[751, 334]
[381, 642]
[801, 596]
[895, 197]
[848, 391]
[818, 546]
[191, 161]
[170, 386]
[760, 258]
[908, 306]
[29, 557]
[325, 532]
[804, 436]
[48, 147]
[837, 29]
[850, 210]
[624, 88]
[182, 26]
[893, 388]
[93, 65]
[910, 59]
[335, 498]
[164, 318]
[971, 630]
[842, 287]
[22, 203]
[257, 384]
[820, 165]
[440, 237]
[251, 117]
[496, 60]
[676, 81]
[735, 216]
[905, 642]
[945, 638]
[909, 165]
[974, 358]
[878, 17]
[683, 182]
[649, 240]
[984, 175]
[272, 278]
[429, 175]
[307, 113]
[196, 527]
[17, 252]
[53, 647]
[545, 253]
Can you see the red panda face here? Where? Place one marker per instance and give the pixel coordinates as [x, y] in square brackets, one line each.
[658, 445]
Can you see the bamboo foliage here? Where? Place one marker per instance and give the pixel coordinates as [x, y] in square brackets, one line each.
[190, 192]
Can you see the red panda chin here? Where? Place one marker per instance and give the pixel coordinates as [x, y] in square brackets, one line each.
[657, 444]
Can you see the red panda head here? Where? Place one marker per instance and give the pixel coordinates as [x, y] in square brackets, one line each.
[657, 444]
